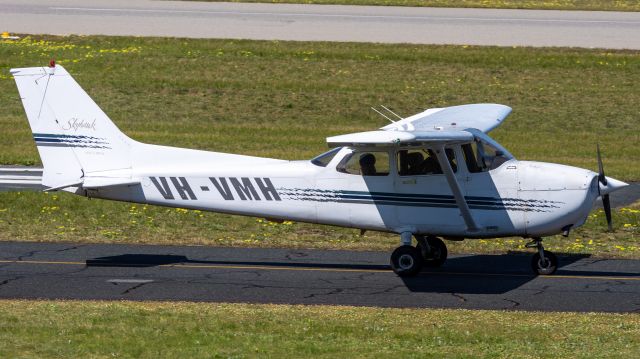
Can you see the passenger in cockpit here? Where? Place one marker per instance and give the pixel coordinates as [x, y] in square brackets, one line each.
[431, 165]
[415, 163]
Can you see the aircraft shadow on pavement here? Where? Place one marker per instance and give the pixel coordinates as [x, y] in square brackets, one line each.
[136, 260]
[152, 260]
[495, 274]
[477, 274]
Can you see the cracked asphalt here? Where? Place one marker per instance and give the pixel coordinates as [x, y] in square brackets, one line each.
[192, 273]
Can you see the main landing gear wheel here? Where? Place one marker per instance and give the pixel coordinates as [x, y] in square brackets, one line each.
[406, 261]
[543, 262]
[544, 265]
[435, 253]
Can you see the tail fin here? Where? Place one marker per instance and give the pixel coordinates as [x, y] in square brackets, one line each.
[74, 136]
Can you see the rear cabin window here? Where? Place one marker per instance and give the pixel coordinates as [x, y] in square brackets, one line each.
[418, 162]
[482, 157]
[373, 163]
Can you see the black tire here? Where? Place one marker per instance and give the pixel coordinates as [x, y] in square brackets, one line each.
[547, 267]
[438, 254]
[406, 261]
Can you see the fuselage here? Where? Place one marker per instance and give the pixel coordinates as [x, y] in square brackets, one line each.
[512, 198]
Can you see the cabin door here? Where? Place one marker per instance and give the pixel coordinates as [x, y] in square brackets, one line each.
[422, 195]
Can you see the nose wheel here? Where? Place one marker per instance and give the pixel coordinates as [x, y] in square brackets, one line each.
[544, 262]
[407, 260]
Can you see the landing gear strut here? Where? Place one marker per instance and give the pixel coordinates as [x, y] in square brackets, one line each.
[543, 262]
[407, 260]
[433, 250]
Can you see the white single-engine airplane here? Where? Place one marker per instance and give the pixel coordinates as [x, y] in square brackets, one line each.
[434, 174]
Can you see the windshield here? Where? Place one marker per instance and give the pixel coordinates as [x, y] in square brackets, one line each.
[482, 156]
[324, 159]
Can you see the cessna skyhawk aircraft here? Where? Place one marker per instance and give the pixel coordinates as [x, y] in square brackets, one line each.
[433, 175]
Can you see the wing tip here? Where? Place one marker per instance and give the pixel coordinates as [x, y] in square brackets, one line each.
[37, 70]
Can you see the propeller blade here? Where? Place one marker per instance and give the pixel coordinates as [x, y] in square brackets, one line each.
[607, 211]
[606, 204]
[601, 176]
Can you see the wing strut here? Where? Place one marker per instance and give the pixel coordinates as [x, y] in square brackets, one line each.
[455, 188]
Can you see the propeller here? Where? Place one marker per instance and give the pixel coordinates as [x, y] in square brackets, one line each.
[605, 198]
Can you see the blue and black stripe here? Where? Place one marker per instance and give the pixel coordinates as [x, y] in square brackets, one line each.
[56, 140]
[417, 200]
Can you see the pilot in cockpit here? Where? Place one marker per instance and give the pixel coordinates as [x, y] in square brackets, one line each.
[368, 164]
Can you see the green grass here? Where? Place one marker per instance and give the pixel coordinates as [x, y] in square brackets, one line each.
[189, 330]
[602, 5]
[281, 99]
[65, 217]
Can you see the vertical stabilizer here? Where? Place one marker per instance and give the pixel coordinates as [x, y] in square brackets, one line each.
[74, 136]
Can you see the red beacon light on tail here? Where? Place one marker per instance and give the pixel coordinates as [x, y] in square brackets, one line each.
[52, 67]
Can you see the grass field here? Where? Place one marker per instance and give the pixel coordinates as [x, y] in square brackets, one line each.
[604, 5]
[281, 99]
[179, 330]
[63, 217]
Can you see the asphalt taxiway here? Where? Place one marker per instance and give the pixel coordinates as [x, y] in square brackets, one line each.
[192, 273]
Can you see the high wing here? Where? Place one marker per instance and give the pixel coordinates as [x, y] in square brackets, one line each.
[435, 126]
[387, 138]
[483, 116]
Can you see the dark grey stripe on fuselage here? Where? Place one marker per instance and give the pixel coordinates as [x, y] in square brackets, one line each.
[417, 200]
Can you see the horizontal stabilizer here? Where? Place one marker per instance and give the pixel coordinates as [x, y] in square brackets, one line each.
[103, 182]
[20, 179]
[63, 186]
[96, 183]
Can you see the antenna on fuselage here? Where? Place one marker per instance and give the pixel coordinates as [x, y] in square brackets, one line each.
[383, 115]
[393, 113]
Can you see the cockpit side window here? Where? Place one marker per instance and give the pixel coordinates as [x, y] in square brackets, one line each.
[422, 161]
[324, 159]
[482, 157]
[365, 163]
